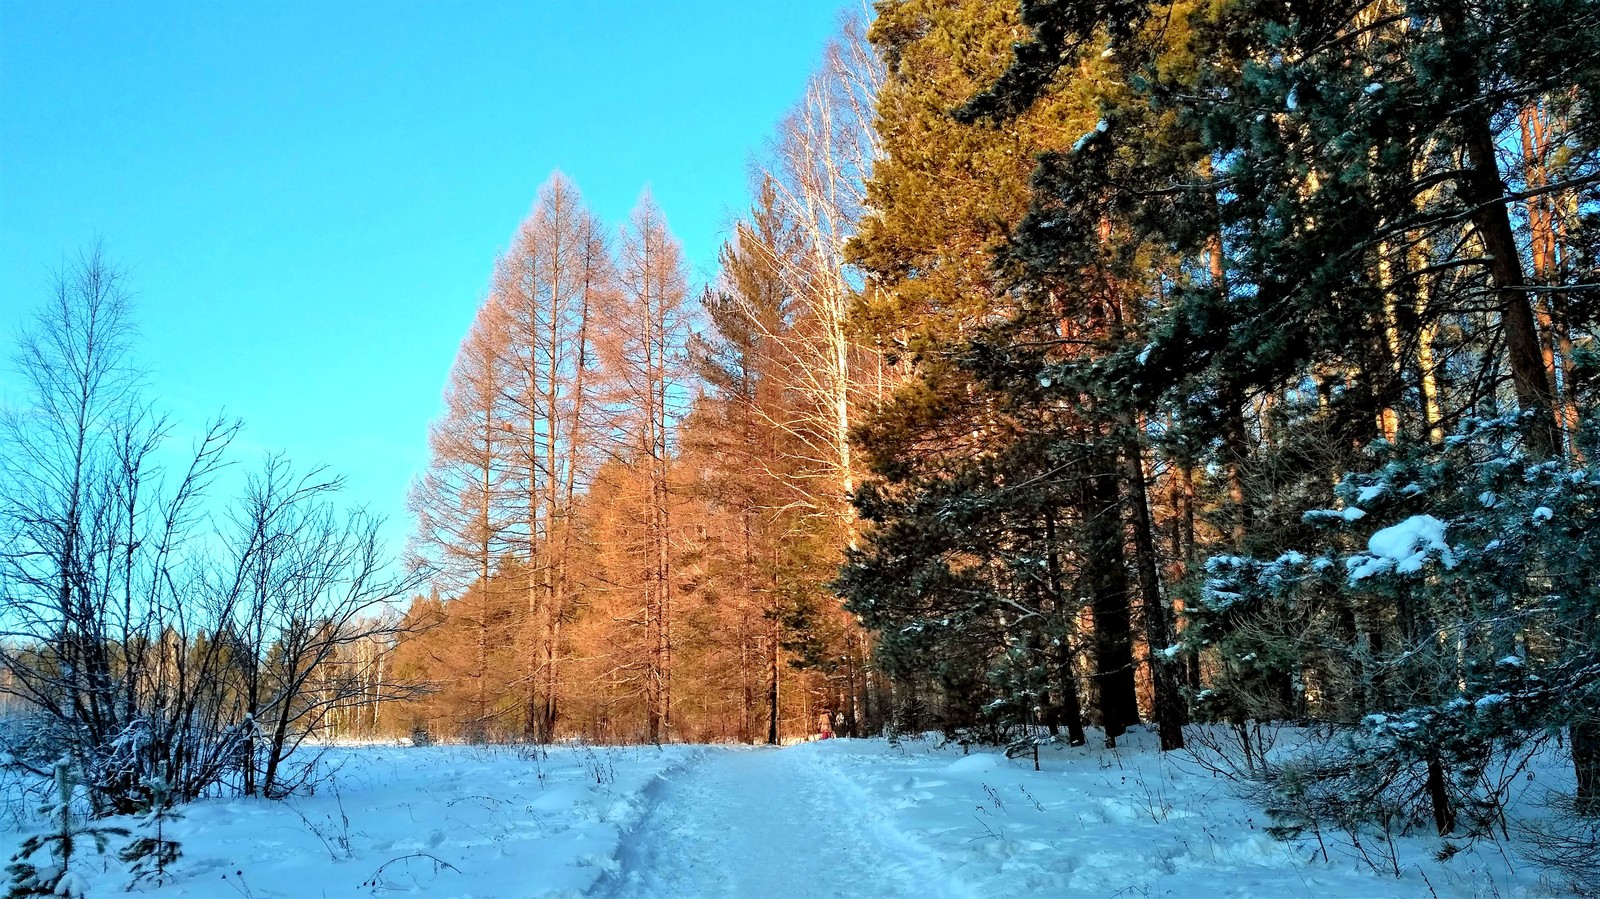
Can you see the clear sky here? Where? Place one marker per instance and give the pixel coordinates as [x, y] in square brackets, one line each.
[308, 196]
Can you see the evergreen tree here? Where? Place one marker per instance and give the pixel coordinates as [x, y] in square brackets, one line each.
[152, 851]
[1280, 213]
[1343, 208]
[951, 437]
[45, 863]
[738, 433]
[1465, 576]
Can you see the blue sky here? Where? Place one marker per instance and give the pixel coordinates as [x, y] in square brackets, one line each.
[308, 197]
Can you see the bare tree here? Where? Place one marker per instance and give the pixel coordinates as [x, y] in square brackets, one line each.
[81, 519]
[816, 173]
[305, 582]
[817, 169]
[144, 641]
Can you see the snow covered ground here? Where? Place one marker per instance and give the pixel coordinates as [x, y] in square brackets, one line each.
[838, 818]
[438, 821]
[1124, 823]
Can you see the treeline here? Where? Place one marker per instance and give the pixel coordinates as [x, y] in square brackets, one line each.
[1245, 372]
[637, 495]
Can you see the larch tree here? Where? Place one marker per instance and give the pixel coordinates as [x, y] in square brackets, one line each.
[738, 434]
[644, 358]
[462, 503]
[547, 287]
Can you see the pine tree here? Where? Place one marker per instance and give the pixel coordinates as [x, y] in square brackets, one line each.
[943, 199]
[1336, 171]
[1466, 576]
[1038, 355]
[740, 435]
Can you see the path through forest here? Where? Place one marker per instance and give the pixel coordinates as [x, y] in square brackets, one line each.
[769, 823]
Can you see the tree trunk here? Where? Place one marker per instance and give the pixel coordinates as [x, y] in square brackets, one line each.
[1444, 813]
[1485, 192]
[1168, 700]
[1069, 706]
[772, 688]
[1585, 740]
[1106, 571]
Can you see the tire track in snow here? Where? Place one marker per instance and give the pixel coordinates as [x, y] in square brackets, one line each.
[770, 823]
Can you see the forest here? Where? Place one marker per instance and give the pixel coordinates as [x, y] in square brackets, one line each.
[1202, 366]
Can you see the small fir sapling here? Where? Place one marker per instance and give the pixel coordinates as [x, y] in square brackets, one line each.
[151, 852]
[43, 865]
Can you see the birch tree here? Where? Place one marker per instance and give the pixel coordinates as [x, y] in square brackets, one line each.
[816, 172]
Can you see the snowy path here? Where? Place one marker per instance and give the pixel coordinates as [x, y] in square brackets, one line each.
[767, 823]
[840, 818]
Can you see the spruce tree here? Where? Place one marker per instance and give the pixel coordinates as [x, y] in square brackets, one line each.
[152, 851]
[46, 862]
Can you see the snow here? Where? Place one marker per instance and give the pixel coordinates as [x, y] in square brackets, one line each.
[978, 763]
[452, 822]
[1401, 541]
[1403, 548]
[1099, 128]
[1099, 823]
[839, 818]
[770, 823]
[73, 885]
